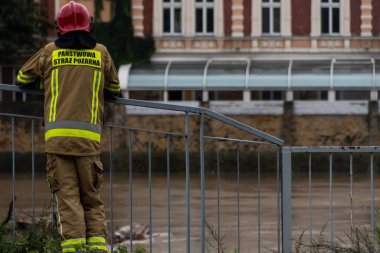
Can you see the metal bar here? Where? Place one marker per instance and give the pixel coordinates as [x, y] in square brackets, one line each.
[150, 189]
[351, 196]
[145, 130]
[13, 181]
[310, 207]
[168, 189]
[33, 179]
[287, 200]
[130, 191]
[238, 192]
[258, 200]
[236, 140]
[14, 88]
[331, 235]
[218, 193]
[336, 149]
[202, 163]
[279, 204]
[243, 127]
[12, 115]
[187, 182]
[171, 107]
[111, 188]
[372, 202]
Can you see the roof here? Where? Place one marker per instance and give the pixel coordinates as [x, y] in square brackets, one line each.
[248, 74]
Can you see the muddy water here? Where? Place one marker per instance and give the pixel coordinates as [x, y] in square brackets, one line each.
[250, 239]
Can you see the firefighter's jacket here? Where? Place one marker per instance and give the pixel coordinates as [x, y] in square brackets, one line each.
[74, 81]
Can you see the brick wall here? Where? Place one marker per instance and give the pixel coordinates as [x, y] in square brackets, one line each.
[301, 13]
[247, 17]
[355, 17]
[148, 17]
[227, 9]
[375, 17]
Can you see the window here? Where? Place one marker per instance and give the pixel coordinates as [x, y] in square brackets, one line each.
[352, 95]
[172, 17]
[204, 17]
[267, 95]
[175, 95]
[330, 17]
[225, 95]
[310, 95]
[271, 17]
[146, 95]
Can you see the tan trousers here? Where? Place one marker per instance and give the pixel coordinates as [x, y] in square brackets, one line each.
[76, 181]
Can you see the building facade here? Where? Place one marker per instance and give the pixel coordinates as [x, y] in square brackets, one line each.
[246, 50]
[259, 26]
[250, 50]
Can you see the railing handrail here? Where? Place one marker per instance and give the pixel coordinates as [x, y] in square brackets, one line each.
[334, 149]
[170, 107]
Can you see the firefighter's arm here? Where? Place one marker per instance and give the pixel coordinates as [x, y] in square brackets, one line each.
[30, 75]
[112, 84]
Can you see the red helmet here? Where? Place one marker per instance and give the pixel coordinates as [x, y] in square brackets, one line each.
[73, 17]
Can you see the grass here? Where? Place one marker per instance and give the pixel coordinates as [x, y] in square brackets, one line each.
[42, 238]
[359, 240]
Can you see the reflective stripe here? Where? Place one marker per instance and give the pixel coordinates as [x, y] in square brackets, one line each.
[113, 89]
[98, 243]
[68, 250]
[95, 240]
[54, 95]
[73, 242]
[70, 245]
[73, 125]
[95, 96]
[68, 132]
[113, 85]
[98, 247]
[22, 78]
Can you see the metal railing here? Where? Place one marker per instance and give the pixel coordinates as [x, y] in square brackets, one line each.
[212, 152]
[344, 177]
[203, 205]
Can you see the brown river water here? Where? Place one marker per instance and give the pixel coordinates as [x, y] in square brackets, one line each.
[250, 239]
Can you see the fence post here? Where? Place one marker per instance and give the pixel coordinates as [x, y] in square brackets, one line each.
[286, 200]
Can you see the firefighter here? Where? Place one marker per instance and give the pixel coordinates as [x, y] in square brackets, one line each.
[76, 74]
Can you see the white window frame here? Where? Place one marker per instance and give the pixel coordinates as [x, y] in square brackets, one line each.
[172, 6]
[330, 5]
[204, 5]
[345, 19]
[271, 5]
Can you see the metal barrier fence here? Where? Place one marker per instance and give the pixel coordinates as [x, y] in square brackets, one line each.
[208, 207]
[345, 202]
[230, 216]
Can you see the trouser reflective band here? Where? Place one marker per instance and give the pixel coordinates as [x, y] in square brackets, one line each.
[72, 244]
[69, 128]
[97, 243]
